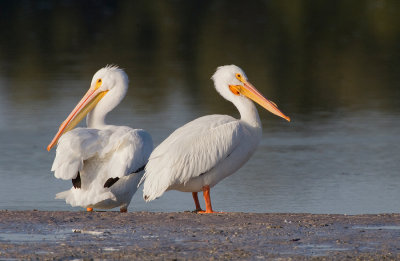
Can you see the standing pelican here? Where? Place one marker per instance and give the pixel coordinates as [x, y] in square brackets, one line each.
[104, 162]
[201, 153]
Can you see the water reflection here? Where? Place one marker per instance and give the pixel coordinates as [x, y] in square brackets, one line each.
[332, 66]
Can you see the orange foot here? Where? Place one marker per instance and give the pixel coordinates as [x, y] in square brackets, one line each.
[89, 209]
[210, 211]
[207, 199]
[123, 210]
[197, 210]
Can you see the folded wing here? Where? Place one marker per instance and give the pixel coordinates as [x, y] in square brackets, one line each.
[190, 151]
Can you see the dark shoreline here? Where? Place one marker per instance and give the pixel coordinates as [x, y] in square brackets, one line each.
[186, 235]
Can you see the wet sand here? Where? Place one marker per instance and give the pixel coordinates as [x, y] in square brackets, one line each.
[184, 236]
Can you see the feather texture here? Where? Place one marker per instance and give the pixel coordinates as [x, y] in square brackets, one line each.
[99, 155]
[187, 154]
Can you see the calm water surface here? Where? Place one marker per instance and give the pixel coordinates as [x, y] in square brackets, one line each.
[333, 68]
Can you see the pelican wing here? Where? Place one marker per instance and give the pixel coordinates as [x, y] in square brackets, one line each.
[190, 151]
[130, 151]
[114, 151]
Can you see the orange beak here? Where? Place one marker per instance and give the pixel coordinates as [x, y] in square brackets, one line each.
[248, 90]
[87, 103]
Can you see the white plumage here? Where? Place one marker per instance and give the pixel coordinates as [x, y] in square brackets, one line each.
[105, 162]
[201, 153]
[187, 154]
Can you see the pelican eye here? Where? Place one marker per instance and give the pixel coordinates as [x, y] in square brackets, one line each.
[98, 83]
[239, 76]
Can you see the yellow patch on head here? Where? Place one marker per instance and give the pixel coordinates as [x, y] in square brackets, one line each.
[235, 89]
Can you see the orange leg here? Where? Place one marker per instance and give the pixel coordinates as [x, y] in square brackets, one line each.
[196, 202]
[123, 209]
[207, 199]
[89, 209]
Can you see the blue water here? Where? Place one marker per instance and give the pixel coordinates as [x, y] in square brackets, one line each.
[341, 162]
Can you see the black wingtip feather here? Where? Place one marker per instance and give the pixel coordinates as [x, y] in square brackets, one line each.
[110, 182]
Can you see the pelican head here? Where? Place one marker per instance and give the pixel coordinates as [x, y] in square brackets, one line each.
[107, 89]
[231, 82]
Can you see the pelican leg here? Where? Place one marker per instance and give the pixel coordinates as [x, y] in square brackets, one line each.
[123, 209]
[207, 199]
[89, 209]
[196, 202]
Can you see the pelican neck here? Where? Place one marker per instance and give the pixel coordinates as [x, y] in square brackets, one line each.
[95, 120]
[249, 114]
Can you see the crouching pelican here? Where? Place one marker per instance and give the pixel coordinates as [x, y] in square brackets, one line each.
[201, 153]
[104, 162]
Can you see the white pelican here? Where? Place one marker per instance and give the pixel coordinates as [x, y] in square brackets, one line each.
[201, 153]
[104, 162]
